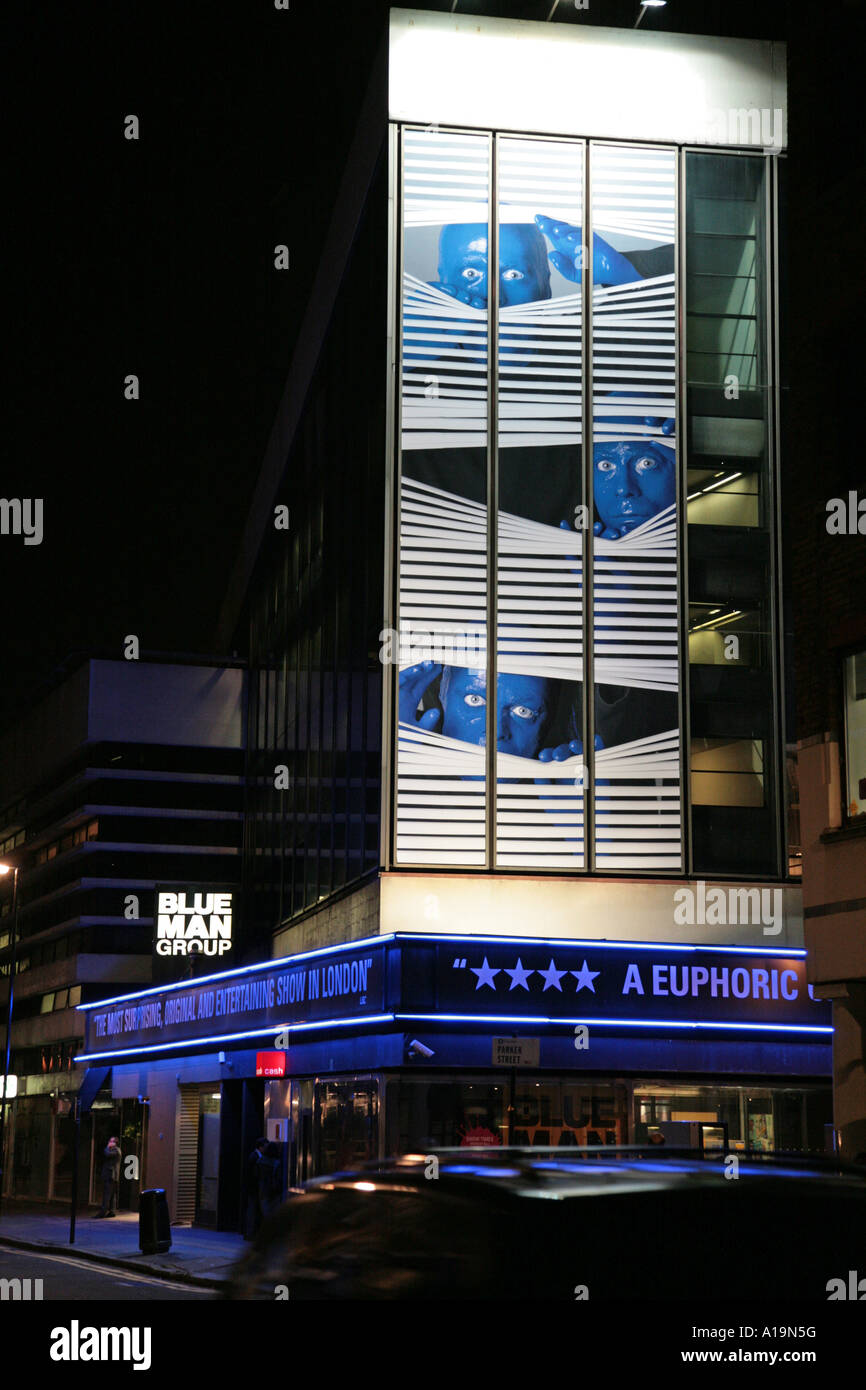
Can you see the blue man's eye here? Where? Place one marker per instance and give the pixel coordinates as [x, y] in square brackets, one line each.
[644, 464]
[470, 273]
[473, 700]
[512, 275]
[605, 465]
[523, 712]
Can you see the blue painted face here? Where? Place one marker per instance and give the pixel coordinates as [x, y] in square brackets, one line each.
[633, 481]
[524, 274]
[522, 709]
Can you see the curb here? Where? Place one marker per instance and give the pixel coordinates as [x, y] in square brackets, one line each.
[175, 1276]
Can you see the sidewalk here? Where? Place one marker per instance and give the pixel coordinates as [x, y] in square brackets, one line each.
[197, 1255]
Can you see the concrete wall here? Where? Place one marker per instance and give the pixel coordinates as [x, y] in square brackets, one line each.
[348, 919]
[606, 909]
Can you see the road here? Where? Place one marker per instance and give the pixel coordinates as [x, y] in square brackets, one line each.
[67, 1279]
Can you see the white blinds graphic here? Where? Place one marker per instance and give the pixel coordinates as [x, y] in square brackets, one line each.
[635, 606]
[634, 194]
[444, 370]
[445, 178]
[634, 360]
[441, 800]
[444, 373]
[540, 554]
[635, 623]
[637, 805]
[441, 786]
[540, 185]
[443, 577]
[443, 558]
[539, 341]
[539, 822]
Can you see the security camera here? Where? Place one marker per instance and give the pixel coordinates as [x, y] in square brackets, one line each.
[417, 1049]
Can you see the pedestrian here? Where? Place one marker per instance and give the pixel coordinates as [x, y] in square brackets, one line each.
[111, 1157]
[253, 1208]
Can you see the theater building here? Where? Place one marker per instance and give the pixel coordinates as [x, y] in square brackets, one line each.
[565, 915]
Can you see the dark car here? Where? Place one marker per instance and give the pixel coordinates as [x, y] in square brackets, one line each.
[603, 1223]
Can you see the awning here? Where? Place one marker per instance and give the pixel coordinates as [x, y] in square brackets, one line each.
[94, 1080]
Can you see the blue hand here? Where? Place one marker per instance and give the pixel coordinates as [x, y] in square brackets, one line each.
[609, 267]
[414, 682]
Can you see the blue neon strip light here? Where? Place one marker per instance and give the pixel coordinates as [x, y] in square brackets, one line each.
[533, 1021]
[539, 1020]
[600, 943]
[202, 1043]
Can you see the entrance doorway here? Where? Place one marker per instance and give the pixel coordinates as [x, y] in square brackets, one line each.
[198, 1152]
[207, 1174]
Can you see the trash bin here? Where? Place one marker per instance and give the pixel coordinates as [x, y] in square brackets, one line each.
[154, 1227]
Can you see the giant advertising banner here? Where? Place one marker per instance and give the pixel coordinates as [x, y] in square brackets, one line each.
[553, 512]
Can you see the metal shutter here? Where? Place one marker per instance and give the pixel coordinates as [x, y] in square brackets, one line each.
[187, 1154]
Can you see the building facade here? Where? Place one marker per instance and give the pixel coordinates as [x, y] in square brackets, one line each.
[562, 915]
[826, 524]
[127, 776]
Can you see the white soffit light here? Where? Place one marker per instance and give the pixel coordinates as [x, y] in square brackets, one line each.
[570, 80]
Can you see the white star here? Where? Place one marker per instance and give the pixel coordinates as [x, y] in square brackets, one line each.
[519, 976]
[484, 973]
[585, 977]
[552, 976]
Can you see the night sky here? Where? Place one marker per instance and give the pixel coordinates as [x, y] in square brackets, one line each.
[155, 257]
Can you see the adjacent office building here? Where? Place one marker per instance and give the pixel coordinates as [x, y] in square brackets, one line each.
[511, 590]
[126, 777]
[826, 519]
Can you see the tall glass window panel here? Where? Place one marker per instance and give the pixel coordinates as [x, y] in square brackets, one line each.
[634, 517]
[539, 720]
[729, 514]
[442, 596]
[727, 362]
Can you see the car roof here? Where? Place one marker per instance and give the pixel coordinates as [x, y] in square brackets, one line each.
[543, 1172]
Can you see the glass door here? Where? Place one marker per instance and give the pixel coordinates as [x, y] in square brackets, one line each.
[207, 1180]
[345, 1125]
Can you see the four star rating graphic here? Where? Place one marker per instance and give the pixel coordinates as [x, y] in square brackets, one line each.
[485, 975]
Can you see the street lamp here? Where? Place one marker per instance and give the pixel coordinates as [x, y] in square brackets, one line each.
[13, 870]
